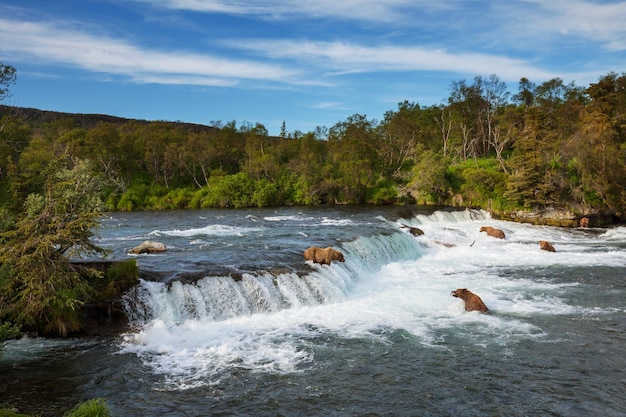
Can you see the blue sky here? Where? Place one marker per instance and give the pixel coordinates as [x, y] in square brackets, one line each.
[308, 63]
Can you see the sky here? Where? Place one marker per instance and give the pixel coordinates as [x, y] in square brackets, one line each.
[305, 63]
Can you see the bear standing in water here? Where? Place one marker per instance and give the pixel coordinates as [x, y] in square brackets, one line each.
[493, 232]
[323, 256]
[472, 301]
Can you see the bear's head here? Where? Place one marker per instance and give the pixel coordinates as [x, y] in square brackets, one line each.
[460, 293]
[547, 246]
[338, 256]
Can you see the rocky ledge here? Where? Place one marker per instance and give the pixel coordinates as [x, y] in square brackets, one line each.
[561, 218]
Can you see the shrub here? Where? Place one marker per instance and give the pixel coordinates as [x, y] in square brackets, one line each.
[92, 408]
[8, 331]
[118, 277]
[5, 412]
[265, 194]
[384, 192]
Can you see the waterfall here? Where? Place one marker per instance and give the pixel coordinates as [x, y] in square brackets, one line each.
[216, 298]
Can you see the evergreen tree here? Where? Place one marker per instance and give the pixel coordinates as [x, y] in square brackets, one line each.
[39, 288]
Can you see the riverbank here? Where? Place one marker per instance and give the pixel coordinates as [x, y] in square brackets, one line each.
[560, 218]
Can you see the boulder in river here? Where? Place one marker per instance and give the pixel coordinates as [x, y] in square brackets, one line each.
[148, 246]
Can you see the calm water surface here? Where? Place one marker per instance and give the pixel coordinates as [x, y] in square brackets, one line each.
[234, 322]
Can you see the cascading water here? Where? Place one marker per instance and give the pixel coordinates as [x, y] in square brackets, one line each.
[217, 298]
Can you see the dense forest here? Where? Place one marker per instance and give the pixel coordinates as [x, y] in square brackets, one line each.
[547, 145]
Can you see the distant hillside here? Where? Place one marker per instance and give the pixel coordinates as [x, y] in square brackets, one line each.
[37, 118]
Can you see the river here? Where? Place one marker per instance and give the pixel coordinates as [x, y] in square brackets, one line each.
[234, 322]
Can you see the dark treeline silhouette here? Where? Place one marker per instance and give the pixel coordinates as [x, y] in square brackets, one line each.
[547, 145]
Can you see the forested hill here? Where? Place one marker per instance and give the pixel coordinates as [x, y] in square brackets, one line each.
[547, 146]
[39, 118]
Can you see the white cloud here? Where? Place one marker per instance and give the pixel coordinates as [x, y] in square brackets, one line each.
[369, 10]
[49, 44]
[341, 57]
[601, 22]
[297, 62]
[330, 105]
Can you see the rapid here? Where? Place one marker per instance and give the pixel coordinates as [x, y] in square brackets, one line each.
[231, 320]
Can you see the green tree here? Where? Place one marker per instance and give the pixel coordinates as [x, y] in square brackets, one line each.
[526, 92]
[598, 148]
[353, 145]
[39, 287]
[261, 151]
[14, 137]
[308, 167]
[536, 179]
[8, 74]
[196, 158]
[401, 130]
[477, 108]
[429, 184]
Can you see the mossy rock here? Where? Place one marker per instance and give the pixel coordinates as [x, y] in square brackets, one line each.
[109, 279]
[104, 311]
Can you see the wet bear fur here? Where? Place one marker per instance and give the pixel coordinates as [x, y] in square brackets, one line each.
[472, 301]
[493, 232]
[323, 256]
[547, 246]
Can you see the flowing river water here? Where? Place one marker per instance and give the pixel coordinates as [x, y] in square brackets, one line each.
[234, 322]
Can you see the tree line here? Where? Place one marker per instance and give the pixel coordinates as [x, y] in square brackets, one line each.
[549, 144]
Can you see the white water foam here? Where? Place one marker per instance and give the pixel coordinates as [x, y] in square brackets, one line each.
[212, 230]
[287, 218]
[195, 334]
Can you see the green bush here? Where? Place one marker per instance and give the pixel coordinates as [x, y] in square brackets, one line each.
[6, 412]
[132, 199]
[384, 192]
[118, 277]
[228, 191]
[6, 220]
[199, 198]
[8, 331]
[480, 182]
[92, 408]
[265, 194]
[178, 198]
[304, 194]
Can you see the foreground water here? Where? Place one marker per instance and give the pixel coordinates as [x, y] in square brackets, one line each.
[238, 324]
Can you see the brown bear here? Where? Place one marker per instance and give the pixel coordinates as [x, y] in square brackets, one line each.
[415, 231]
[547, 246]
[493, 232]
[323, 256]
[472, 301]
